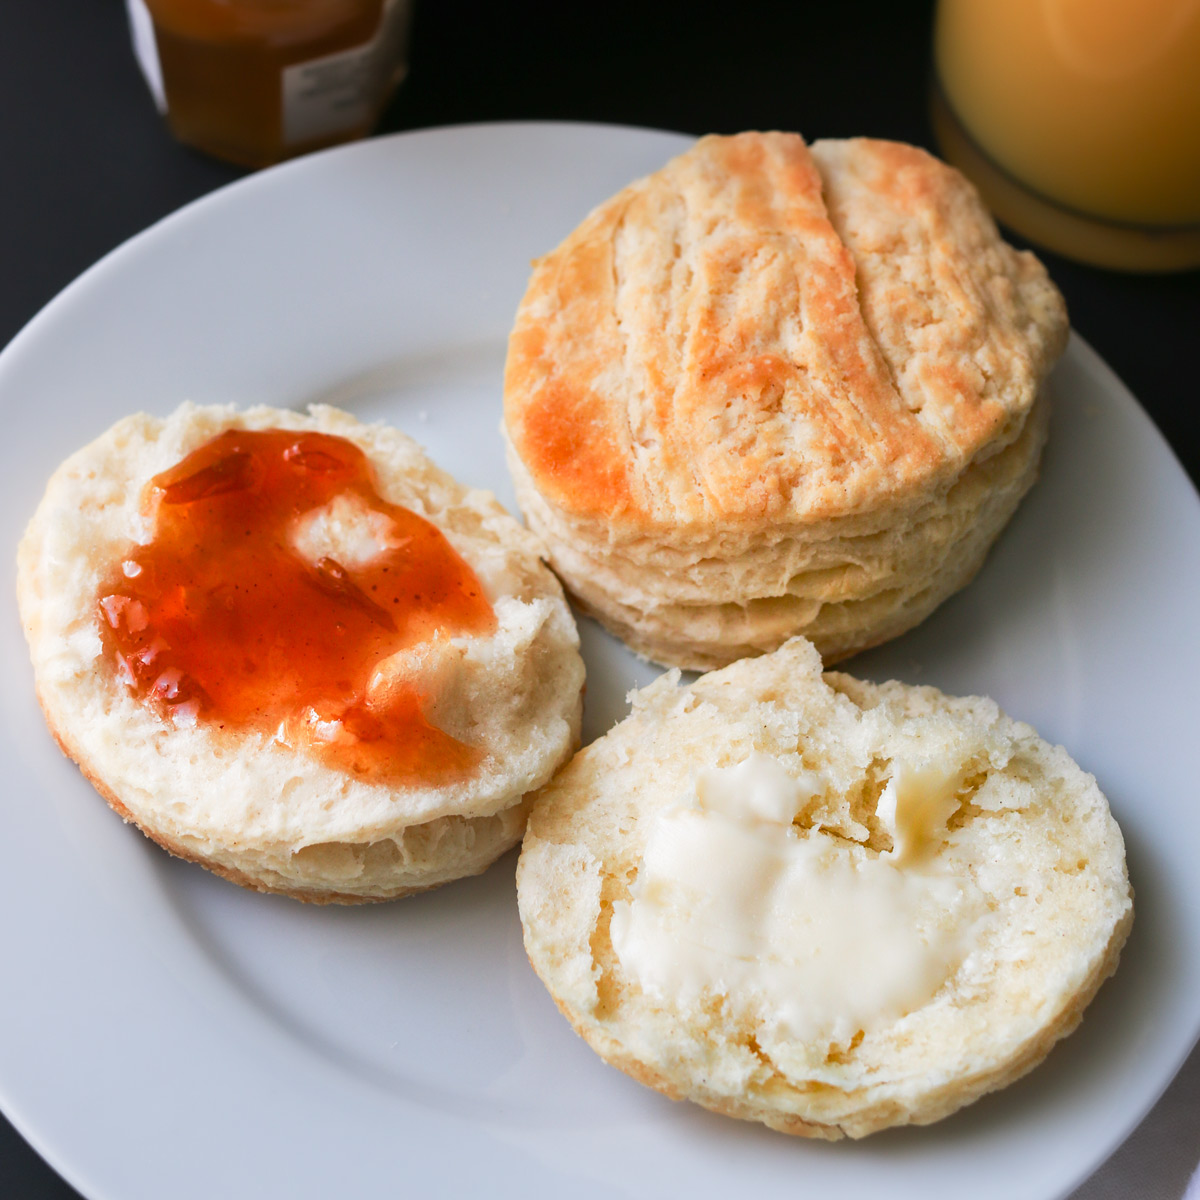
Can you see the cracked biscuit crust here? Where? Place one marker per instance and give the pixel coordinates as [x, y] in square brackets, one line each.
[760, 330]
[1032, 839]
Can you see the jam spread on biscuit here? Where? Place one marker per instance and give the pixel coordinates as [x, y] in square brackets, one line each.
[235, 615]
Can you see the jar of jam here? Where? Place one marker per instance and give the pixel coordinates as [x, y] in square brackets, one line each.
[257, 81]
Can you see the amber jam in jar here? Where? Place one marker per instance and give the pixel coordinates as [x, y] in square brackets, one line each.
[256, 81]
[221, 619]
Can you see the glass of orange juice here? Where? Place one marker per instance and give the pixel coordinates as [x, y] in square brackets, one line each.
[1079, 120]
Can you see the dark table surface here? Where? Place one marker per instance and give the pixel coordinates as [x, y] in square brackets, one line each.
[86, 163]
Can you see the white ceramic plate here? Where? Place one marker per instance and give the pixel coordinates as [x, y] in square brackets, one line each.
[164, 1033]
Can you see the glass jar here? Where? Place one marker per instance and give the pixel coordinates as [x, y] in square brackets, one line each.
[257, 81]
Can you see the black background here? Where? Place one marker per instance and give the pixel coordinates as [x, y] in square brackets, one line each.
[85, 161]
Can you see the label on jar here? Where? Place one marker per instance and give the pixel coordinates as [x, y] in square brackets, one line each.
[324, 97]
[145, 49]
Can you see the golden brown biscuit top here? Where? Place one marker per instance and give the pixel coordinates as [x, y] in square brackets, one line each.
[760, 330]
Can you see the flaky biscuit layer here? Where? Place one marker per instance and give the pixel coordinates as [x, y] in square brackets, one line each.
[760, 351]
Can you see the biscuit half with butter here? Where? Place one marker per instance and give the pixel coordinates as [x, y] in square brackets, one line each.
[826, 905]
[774, 390]
[292, 649]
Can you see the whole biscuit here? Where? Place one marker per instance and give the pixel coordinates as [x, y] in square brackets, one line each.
[1031, 840]
[770, 390]
[241, 802]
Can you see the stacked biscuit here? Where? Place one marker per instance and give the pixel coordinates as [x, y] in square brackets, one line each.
[772, 390]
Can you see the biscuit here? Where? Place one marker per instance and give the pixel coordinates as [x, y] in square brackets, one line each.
[949, 961]
[275, 808]
[772, 390]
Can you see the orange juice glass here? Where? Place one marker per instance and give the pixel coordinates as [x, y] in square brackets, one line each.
[1079, 120]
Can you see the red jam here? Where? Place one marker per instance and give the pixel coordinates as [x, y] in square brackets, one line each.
[220, 619]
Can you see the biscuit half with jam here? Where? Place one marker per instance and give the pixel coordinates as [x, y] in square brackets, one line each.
[292, 649]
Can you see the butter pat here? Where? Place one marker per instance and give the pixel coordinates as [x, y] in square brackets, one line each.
[758, 788]
[916, 804]
[799, 931]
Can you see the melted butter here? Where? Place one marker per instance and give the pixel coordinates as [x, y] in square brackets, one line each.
[758, 788]
[274, 591]
[916, 804]
[805, 934]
